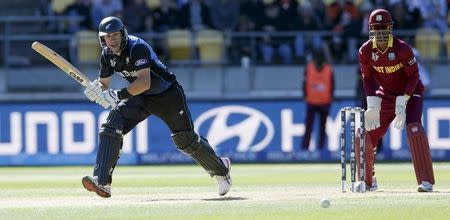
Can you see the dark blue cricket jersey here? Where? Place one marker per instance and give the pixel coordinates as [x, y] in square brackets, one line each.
[137, 55]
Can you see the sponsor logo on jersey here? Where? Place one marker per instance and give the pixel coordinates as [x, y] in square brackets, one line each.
[391, 56]
[140, 62]
[375, 56]
[126, 73]
[388, 69]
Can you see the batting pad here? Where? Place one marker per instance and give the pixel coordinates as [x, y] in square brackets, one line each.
[369, 156]
[420, 152]
[199, 149]
[108, 153]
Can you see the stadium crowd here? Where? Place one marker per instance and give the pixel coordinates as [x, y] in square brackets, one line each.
[340, 25]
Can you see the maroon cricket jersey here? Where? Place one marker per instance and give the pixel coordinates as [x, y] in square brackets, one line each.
[393, 72]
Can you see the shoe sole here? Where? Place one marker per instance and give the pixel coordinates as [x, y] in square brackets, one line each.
[423, 190]
[90, 185]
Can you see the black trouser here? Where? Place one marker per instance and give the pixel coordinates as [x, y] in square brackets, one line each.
[170, 106]
[311, 111]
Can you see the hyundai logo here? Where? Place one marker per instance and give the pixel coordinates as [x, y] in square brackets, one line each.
[246, 128]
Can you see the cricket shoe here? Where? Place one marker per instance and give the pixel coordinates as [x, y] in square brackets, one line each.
[92, 185]
[372, 188]
[224, 182]
[425, 186]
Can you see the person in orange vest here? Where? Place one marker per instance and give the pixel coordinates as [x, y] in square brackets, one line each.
[318, 90]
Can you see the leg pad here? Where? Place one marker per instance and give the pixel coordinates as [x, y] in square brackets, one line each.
[369, 156]
[420, 152]
[199, 149]
[108, 152]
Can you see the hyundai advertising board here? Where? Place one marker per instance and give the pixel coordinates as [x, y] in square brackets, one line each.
[247, 131]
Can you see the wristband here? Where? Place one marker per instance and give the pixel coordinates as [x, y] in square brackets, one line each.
[124, 94]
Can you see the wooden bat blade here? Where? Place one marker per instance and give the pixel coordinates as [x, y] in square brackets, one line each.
[60, 62]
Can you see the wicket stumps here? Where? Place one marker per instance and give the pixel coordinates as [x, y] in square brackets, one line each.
[343, 145]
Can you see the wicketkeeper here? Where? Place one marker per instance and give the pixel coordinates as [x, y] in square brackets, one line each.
[390, 63]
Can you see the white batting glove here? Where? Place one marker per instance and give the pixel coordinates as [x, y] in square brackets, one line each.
[400, 111]
[94, 90]
[372, 114]
[108, 98]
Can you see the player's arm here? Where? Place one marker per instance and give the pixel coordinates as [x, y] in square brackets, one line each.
[369, 83]
[142, 82]
[140, 57]
[412, 71]
[106, 72]
[372, 113]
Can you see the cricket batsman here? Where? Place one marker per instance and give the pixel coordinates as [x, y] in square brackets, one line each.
[152, 90]
[394, 94]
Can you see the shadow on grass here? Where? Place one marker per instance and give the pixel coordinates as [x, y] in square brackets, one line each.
[225, 199]
[192, 199]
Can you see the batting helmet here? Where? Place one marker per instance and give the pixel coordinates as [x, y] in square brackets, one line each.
[110, 25]
[380, 25]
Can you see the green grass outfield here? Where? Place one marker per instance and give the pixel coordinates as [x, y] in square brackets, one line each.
[260, 191]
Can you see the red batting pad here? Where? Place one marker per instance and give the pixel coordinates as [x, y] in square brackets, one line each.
[369, 156]
[420, 152]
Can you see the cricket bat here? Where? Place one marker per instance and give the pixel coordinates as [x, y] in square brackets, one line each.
[60, 62]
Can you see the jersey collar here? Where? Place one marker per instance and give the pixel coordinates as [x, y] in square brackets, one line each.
[390, 42]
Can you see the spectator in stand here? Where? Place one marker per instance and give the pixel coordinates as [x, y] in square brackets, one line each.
[433, 13]
[44, 8]
[287, 14]
[104, 8]
[351, 31]
[251, 19]
[253, 13]
[382, 3]
[274, 46]
[133, 13]
[318, 8]
[335, 21]
[194, 15]
[241, 47]
[164, 16]
[365, 9]
[79, 8]
[224, 14]
[305, 43]
[403, 20]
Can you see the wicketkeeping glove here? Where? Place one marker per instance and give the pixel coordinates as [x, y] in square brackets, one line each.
[400, 111]
[372, 114]
[94, 90]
